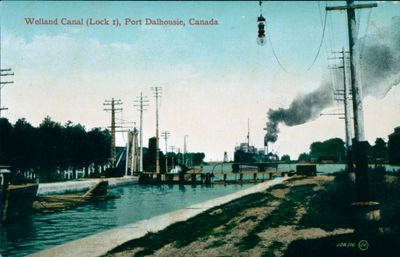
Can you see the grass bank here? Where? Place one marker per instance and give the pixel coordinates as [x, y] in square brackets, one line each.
[286, 220]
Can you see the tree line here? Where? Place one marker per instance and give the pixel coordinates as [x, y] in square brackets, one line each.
[333, 150]
[51, 146]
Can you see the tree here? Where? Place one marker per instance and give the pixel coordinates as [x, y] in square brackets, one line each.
[6, 145]
[99, 144]
[76, 147]
[25, 141]
[285, 158]
[333, 149]
[304, 157]
[51, 148]
[379, 150]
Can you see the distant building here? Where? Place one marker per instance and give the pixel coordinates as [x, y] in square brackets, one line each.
[245, 147]
[394, 147]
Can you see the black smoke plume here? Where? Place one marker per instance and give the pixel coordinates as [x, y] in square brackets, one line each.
[302, 109]
[379, 71]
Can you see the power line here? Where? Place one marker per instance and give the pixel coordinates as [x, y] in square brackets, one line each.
[316, 56]
[320, 44]
[273, 50]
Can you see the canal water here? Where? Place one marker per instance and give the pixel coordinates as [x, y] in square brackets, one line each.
[135, 202]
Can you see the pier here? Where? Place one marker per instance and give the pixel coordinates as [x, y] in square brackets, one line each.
[208, 178]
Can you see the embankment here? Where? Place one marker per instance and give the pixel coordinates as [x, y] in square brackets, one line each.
[101, 243]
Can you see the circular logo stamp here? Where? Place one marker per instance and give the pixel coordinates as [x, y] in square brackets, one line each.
[363, 245]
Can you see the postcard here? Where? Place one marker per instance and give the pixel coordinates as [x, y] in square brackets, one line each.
[199, 128]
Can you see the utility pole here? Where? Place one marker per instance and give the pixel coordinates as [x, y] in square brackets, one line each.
[359, 145]
[185, 161]
[173, 151]
[134, 163]
[4, 72]
[157, 95]
[248, 134]
[347, 115]
[165, 135]
[141, 103]
[129, 152]
[113, 103]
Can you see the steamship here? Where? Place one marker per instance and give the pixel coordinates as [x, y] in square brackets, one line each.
[248, 157]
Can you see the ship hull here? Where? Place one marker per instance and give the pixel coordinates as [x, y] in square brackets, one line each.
[17, 201]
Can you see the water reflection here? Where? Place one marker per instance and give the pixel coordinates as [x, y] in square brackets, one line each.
[135, 202]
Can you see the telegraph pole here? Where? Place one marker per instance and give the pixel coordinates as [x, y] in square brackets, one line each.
[141, 103]
[129, 152]
[4, 72]
[185, 150]
[113, 103]
[157, 95]
[134, 157]
[165, 135]
[248, 134]
[347, 115]
[173, 151]
[359, 145]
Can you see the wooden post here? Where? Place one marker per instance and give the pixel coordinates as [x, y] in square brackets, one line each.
[193, 176]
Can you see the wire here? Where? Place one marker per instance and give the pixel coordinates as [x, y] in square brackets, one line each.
[271, 45]
[318, 51]
[273, 50]
[320, 44]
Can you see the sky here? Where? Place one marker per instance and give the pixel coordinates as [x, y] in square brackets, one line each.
[213, 78]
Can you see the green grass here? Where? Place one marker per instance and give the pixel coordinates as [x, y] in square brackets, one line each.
[248, 242]
[252, 218]
[216, 243]
[285, 214]
[200, 227]
[270, 252]
[227, 229]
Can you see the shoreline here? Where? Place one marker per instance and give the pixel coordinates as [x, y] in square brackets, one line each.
[103, 242]
[303, 216]
[234, 228]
